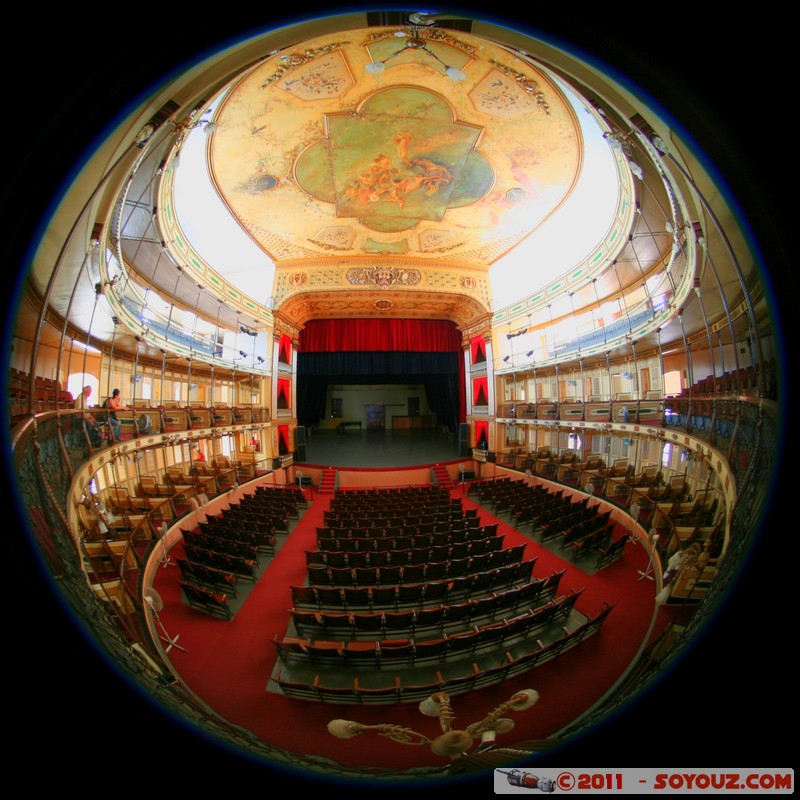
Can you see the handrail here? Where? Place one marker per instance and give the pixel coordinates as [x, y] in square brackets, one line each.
[755, 436]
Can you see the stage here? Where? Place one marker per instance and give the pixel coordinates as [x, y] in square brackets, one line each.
[380, 448]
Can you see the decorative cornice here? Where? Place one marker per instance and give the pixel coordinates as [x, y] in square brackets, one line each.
[383, 277]
[432, 34]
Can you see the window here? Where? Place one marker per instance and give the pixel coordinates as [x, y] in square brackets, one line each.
[673, 384]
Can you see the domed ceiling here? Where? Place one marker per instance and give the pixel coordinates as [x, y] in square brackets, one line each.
[317, 156]
[399, 156]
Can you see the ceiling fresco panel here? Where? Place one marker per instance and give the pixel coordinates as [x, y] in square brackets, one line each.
[316, 156]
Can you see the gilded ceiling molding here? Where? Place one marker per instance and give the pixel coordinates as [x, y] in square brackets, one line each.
[383, 276]
[433, 34]
[528, 85]
[295, 60]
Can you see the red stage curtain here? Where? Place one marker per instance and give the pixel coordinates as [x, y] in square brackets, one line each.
[478, 349]
[481, 434]
[285, 349]
[284, 392]
[283, 439]
[357, 335]
[480, 391]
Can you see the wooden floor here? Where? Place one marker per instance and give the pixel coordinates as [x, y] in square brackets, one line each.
[386, 448]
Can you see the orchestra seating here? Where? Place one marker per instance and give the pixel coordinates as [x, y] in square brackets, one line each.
[226, 548]
[386, 688]
[413, 592]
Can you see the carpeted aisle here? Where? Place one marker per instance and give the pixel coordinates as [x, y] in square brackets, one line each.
[228, 663]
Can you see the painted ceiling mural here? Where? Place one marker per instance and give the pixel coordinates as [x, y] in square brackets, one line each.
[318, 157]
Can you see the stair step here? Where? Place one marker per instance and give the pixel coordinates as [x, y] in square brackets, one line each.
[327, 484]
[442, 476]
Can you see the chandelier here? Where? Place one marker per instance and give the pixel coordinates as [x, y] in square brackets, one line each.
[414, 43]
[451, 741]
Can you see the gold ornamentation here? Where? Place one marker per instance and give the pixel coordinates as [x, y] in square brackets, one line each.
[295, 60]
[528, 85]
[383, 277]
[433, 34]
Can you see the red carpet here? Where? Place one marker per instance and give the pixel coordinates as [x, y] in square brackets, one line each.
[228, 663]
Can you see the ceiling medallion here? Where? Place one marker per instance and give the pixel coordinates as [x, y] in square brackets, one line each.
[383, 276]
[383, 305]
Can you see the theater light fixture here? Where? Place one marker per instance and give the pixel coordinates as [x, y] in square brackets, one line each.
[414, 43]
[451, 741]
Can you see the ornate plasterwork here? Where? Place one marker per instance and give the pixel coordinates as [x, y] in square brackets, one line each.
[383, 276]
[318, 158]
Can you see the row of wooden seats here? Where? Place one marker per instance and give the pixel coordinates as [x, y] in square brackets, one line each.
[263, 539]
[291, 498]
[240, 565]
[206, 577]
[328, 540]
[356, 494]
[401, 506]
[393, 689]
[200, 598]
[446, 519]
[527, 511]
[365, 601]
[554, 523]
[417, 595]
[591, 543]
[412, 652]
[283, 507]
[401, 501]
[469, 527]
[110, 557]
[235, 547]
[399, 555]
[228, 526]
[599, 525]
[507, 498]
[611, 553]
[487, 489]
[413, 622]
[740, 379]
[422, 572]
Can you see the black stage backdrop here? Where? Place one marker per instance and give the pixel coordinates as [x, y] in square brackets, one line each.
[437, 372]
[381, 351]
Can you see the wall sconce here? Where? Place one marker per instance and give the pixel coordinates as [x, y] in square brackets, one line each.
[451, 742]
